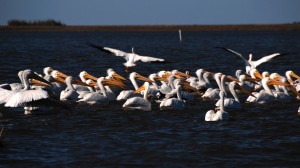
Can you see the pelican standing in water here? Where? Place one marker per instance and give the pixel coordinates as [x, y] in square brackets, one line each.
[221, 114]
[131, 58]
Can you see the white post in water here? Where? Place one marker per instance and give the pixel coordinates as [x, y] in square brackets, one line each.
[180, 38]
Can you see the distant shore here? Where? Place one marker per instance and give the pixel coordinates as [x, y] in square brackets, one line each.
[149, 28]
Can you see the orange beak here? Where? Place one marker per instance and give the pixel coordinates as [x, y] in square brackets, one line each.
[139, 89]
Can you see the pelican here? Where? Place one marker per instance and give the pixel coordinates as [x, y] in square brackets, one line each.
[233, 103]
[173, 103]
[28, 97]
[70, 93]
[47, 71]
[126, 94]
[250, 64]
[96, 97]
[139, 103]
[131, 58]
[212, 94]
[266, 95]
[289, 74]
[221, 114]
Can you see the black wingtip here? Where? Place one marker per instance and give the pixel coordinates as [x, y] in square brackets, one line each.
[95, 46]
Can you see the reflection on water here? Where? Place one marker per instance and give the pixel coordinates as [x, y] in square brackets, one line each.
[258, 135]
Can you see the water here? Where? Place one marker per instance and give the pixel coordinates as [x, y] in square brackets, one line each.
[258, 135]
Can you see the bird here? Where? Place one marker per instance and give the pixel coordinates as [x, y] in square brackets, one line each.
[139, 103]
[221, 114]
[131, 58]
[251, 64]
[70, 93]
[126, 94]
[173, 103]
[29, 98]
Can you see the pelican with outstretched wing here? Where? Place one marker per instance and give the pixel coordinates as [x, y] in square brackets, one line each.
[250, 64]
[131, 58]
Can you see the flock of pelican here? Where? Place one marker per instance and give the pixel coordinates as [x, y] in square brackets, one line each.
[167, 90]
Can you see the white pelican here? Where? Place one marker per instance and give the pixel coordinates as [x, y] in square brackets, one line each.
[212, 94]
[47, 71]
[28, 97]
[201, 81]
[289, 74]
[233, 103]
[250, 64]
[266, 95]
[70, 93]
[221, 114]
[126, 94]
[96, 97]
[139, 103]
[173, 103]
[131, 58]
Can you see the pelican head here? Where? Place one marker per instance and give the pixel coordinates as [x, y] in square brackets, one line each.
[48, 70]
[137, 76]
[85, 75]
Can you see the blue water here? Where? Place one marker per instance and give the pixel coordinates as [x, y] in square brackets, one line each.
[258, 135]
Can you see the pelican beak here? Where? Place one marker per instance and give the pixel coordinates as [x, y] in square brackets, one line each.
[182, 74]
[114, 83]
[59, 80]
[38, 83]
[166, 75]
[252, 80]
[231, 78]
[244, 90]
[258, 75]
[62, 75]
[92, 83]
[295, 75]
[88, 76]
[140, 77]
[294, 90]
[139, 89]
[79, 82]
[117, 76]
[160, 79]
[275, 82]
[37, 77]
[179, 77]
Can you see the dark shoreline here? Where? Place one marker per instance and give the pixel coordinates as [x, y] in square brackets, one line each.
[149, 28]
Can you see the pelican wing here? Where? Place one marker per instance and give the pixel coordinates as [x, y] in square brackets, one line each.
[266, 59]
[108, 50]
[236, 53]
[20, 98]
[148, 59]
[49, 102]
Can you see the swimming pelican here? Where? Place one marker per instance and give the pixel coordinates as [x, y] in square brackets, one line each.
[173, 103]
[250, 64]
[289, 74]
[221, 114]
[266, 95]
[213, 93]
[126, 94]
[70, 93]
[28, 97]
[139, 103]
[131, 58]
[99, 98]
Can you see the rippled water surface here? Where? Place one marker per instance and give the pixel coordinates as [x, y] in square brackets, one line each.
[258, 135]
